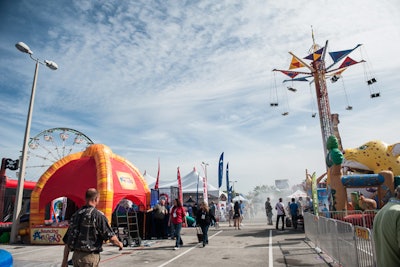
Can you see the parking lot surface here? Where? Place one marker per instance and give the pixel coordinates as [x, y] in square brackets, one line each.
[256, 244]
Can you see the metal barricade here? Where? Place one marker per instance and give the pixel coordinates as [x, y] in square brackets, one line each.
[323, 237]
[311, 227]
[365, 247]
[345, 243]
[346, 246]
[332, 248]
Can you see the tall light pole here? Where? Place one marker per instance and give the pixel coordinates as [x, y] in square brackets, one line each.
[21, 177]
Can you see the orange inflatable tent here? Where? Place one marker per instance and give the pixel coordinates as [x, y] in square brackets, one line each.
[97, 167]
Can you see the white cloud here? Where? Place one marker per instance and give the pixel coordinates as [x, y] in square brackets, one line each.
[184, 82]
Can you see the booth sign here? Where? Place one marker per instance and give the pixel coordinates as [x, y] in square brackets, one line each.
[47, 235]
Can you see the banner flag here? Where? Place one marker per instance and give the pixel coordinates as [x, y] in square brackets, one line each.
[291, 74]
[220, 169]
[300, 79]
[205, 191]
[314, 193]
[339, 55]
[295, 64]
[180, 186]
[228, 191]
[11, 164]
[348, 62]
[158, 175]
[316, 55]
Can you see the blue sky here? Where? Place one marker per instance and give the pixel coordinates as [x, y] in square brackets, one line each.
[184, 81]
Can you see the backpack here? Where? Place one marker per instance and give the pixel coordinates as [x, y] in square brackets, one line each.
[75, 237]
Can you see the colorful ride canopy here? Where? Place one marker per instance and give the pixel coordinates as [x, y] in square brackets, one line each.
[97, 167]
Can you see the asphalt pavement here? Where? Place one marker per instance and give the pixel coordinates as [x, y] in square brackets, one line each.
[256, 244]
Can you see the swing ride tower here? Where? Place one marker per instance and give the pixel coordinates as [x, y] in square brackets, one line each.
[318, 70]
[318, 73]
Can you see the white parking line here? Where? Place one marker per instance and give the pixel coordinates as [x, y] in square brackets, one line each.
[186, 251]
[270, 262]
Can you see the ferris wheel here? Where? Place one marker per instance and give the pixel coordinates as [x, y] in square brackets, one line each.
[50, 146]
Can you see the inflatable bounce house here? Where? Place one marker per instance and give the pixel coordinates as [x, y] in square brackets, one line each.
[372, 167]
[114, 177]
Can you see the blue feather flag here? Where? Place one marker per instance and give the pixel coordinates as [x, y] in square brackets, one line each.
[220, 169]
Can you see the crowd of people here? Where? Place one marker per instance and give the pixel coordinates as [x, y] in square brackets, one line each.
[287, 214]
[89, 228]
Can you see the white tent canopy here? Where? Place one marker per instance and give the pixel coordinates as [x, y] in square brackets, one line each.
[297, 194]
[240, 197]
[149, 179]
[191, 183]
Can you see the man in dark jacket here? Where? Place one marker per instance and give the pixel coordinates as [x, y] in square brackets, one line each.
[87, 231]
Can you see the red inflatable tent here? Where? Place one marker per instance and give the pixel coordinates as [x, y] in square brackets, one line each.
[114, 177]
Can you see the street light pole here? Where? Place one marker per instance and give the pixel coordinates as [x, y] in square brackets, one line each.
[21, 177]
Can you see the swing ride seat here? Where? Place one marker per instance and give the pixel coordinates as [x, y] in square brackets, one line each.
[371, 81]
[375, 95]
[292, 89]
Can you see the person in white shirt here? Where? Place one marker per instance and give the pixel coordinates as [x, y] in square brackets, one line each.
[300, 204]
[280, 210]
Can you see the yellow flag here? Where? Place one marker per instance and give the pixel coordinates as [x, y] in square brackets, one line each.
[295, 64]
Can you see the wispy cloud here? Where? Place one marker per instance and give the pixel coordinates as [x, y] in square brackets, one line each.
[184, 81]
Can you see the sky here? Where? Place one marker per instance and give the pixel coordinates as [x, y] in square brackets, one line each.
[183, 81]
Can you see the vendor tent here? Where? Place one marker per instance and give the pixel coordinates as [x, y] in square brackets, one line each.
[149, 179]
[97, 167]
[240, 197]
[297, 194]
[191, 183]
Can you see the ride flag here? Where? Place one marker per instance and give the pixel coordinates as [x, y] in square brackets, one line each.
[314, 193]
[220, 169]
[228, 191]
[158, 175]
[205, 191]
[295, 63]
[348, 62]
[180, 186]
[316, 55]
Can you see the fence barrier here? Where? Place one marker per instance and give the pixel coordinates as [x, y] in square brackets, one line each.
[347, 244]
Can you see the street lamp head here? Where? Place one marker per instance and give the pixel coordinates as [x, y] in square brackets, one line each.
[51, 64]
[21, 46]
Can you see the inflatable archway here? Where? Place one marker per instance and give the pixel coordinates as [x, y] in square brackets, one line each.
[114, 177]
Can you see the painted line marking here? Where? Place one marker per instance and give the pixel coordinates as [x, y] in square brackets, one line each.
[186, 251]
[270, 262]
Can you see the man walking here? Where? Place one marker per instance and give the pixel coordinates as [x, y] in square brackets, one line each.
[280, 208]
[294, 210]
[85, 235]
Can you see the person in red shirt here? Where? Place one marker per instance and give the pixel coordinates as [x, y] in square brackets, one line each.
[177, 217]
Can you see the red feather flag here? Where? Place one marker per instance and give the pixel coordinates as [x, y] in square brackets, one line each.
[158, 176]
[180, 186]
